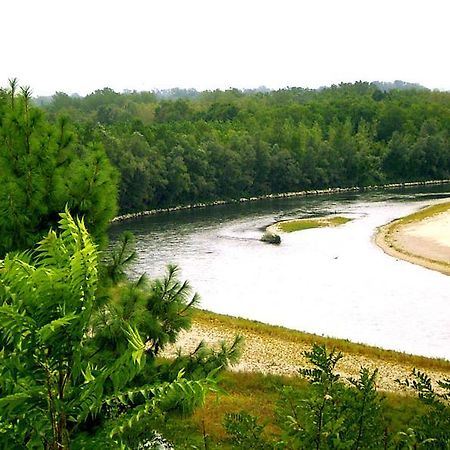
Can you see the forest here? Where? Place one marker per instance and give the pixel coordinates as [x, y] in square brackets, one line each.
[81, 345]
[194, 147]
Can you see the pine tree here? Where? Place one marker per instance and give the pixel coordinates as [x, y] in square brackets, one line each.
[44, 168]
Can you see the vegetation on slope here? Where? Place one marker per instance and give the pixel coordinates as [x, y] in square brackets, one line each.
[81, 346]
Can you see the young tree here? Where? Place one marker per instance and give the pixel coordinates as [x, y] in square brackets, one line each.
[431, 429]
[50, 385]
[43, 168]
[330, 414]
[364, 420]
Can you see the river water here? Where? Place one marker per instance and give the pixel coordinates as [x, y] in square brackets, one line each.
[328, 281]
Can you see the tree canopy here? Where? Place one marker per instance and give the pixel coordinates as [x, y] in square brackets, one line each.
[44, 167]
[232, 144]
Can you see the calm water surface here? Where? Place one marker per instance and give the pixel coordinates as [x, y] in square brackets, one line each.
[329, 281]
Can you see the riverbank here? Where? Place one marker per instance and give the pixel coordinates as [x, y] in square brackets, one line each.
[421, 238]
[329, 191]
[274, 350]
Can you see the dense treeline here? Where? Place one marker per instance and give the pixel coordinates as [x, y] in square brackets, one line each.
[219, 145]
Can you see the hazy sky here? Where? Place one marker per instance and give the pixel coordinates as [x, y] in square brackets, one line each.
[79, 46]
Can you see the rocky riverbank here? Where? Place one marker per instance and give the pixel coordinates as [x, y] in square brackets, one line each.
[275, 350]
[328, 191]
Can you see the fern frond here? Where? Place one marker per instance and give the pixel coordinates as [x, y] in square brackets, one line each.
[16, 326]
[181, 393]
[50, 331]
[136, 343]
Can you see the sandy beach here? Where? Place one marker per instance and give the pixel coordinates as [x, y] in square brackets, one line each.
[425, 242]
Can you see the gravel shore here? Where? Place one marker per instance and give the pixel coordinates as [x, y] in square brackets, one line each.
[277, 355]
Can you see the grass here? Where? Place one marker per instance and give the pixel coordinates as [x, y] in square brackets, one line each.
[258, 395]
[422, 214]
[289, 226]
[239, 325]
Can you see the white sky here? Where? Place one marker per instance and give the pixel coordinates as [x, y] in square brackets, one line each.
[83, 45]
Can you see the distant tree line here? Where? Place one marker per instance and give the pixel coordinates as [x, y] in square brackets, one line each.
[229, 144]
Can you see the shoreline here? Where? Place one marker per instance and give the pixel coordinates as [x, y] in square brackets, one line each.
[275, 350]
[314, 192]
[421, 238]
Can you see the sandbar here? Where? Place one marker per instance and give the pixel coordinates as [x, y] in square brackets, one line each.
[425, 242]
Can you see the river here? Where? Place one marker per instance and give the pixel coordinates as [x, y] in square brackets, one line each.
[328, 281]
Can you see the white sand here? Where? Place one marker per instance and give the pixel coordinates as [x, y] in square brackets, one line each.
[426, 242]
[436, 228]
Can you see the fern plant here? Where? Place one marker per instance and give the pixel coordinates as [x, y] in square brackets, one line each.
[50, 383]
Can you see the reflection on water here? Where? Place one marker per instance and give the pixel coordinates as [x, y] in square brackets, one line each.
[330, 281]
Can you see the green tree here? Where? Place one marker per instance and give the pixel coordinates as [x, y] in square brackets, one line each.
[364, 419]
[330, 414]
[43, 168]
[430, 430]
[51, 388]
[217, 145]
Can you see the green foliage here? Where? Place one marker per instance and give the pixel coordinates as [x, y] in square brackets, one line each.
[159, 309]
[364, 421]
[331, 415]
[44, 167]
[245, 432]
[52, 387]
[431, 429]
[120, 258]
[205, 359]
[221, 145]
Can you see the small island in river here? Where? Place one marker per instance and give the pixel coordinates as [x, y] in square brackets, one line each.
[272, 236]
[288, 226]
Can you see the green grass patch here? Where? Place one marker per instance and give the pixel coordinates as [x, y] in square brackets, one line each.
[258, 395]
[289, 226]
[424, 213]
